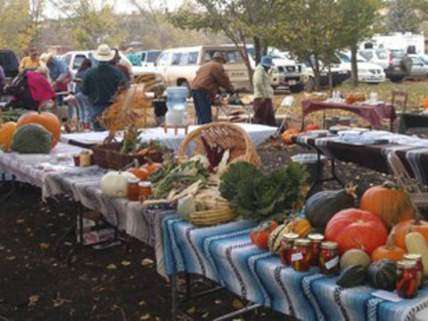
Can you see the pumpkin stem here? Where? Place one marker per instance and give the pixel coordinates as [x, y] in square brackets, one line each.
[351, 190]
[390, 244]
[390, 185]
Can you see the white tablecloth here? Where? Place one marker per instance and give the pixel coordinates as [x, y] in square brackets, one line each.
[258, 134]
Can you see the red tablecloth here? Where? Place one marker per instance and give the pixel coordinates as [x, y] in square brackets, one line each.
[374, 114]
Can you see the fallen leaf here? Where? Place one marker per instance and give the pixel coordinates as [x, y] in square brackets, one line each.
[32, 300]
[237, 304]
[10, 258]
[191, 310]
[44, 246]
[125, 263]
[20, 221]
[142, 302]
[145, 317]
[146, 262]
[111, 267]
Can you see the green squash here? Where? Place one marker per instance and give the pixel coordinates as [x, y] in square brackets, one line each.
[383, 275]
[322, 206]
[354, 275]
[354, 257]
[32, 139]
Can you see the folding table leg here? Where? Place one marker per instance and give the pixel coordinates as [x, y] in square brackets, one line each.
[174, 297]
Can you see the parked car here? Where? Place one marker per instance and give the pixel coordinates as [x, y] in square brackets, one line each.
[390, 60]
[285, 71]
[339, 75]
[419, 67]
[367, 72]
[149, 57]
[424, 58]
[9, 62]
[178, 66]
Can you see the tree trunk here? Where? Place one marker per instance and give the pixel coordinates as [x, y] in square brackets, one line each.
[257, 50]
[330, 78]
[354, 65]
[317, 73]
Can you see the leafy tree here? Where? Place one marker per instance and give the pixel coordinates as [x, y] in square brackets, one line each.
[402, 16]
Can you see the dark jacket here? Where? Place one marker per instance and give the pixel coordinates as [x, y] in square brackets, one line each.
[101, 83]
[210, 77]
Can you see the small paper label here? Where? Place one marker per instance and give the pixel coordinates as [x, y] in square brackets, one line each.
[332, 263]
[386, 295]
[296, 257]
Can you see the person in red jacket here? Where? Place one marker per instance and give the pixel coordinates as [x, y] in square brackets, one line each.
[209, 79]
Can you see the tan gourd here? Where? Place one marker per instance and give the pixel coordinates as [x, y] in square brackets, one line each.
[416, 244]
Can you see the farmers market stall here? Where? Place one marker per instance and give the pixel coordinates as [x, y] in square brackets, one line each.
[258, 134]
[372, 113]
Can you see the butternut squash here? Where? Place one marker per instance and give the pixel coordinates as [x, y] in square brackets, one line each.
[416, 244]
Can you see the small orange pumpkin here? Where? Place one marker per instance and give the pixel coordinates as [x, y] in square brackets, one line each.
[288, 136]
[390, 203]
[312, 126]
[7, 130]
[300, 226]
[46, 119]
[402, 229]
[140, 172]
[389, 251]
[425, 103]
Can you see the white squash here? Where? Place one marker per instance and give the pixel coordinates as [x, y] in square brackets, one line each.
[115, 184]
[186, 205]
[416, 244]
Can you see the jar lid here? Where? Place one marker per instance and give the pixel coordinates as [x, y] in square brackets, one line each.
[412, 257]
[406, 264]
[329, 245]
[302, 242]
[290, 236]
[145, 184]
[133, 180]
[316, 237]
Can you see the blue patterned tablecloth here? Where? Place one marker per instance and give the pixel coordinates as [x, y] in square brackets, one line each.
[225, 255]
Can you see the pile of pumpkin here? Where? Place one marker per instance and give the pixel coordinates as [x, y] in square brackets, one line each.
[33, 133]
[371, 239]
[289, 135]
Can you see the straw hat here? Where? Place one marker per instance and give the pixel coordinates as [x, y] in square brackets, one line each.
[45, 57]
[104, 53]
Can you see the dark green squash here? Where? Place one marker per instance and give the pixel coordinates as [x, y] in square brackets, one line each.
[32, 139]
[322, 206]
[352, 276]
[383, 275]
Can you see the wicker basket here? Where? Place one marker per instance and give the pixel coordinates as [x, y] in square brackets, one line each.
[212, 217]
[225, 135]
[109, 156]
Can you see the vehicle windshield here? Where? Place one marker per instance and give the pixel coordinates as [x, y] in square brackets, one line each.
[152, 56]
[424, 58]
[382, 54]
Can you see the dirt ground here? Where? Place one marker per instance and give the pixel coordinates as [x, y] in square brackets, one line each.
[114, 284]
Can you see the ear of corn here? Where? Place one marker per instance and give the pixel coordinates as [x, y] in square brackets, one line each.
[212, 217]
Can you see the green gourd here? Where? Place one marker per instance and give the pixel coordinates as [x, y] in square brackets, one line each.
[354, 257]
[383, 275]
[352, 276]
[322, 206]
[32, 139]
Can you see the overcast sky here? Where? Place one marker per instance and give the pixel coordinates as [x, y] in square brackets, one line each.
[122, 6]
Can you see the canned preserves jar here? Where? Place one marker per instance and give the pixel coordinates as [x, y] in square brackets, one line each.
[301, 255]
[286, 249]
[329, 258]
[407, 283]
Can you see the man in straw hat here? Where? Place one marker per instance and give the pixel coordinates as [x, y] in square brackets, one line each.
[209, 78]
[101, 83]
[263, 93]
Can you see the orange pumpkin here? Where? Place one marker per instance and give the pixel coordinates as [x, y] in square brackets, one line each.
[152, 167]
[425, 103]
[46, 119]
[7, 130]
[300, 226]
[390, 203]
[389, 251]
[402, 229]
[140, 172]
[310, 127]
[288, 136]
[260, 235]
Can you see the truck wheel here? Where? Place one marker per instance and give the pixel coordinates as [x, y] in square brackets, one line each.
[396, 79]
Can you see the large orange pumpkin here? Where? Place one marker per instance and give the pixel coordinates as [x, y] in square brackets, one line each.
[356, 229]
[7, 130]
[46, 119]
[390, 203]
[402, 229]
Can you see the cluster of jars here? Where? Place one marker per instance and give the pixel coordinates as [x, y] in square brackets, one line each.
[301, 254]
[409, 275]
[83, 159]
[138, 190]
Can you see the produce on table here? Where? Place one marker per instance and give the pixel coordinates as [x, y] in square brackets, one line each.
[115, 184]
[322, 206]
[353, 98]
[352, 276]
[256, 196]
[46, 119]
[32, 139]
[7, 130]
[260, 235]
[12, 115]
[356, 229]
[289, 135]
[186, 205]
[152, 167]
[383, 275]
[401, 229]
[416, 244]
[299, 226]
[354, 257]
[389, 251]
[310, 127]
[407, 279]
[389, 202]
[140, 172]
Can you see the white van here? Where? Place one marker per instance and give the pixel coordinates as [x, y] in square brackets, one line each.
[178, 66]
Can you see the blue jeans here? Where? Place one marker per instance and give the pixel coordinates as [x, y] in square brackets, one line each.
[202, 104]
[84, 108]
[97, 111]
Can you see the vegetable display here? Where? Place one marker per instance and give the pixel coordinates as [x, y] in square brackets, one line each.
[260, 235]
[46, 119]
[416, 244]
[354, 257]
[356, 229]
[383, 275]
[256, 196]
[390, 203]
[7, 130]
[322, 206]
[115, 184]
[402, 229]
[32, 139]
[352, 276]
[389, 251]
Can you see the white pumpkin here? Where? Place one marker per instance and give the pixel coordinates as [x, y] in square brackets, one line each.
[115, 184]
